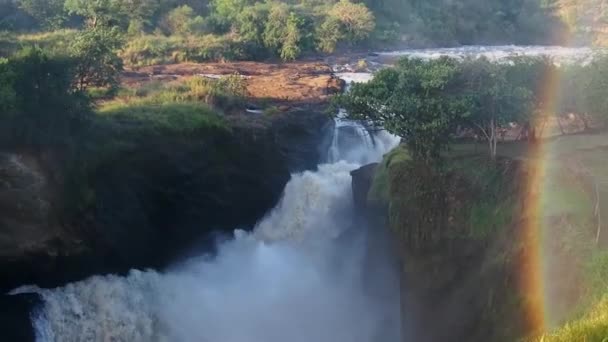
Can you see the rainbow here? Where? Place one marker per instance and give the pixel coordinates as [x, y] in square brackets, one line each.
[535, 259]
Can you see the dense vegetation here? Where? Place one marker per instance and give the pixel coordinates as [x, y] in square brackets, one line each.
[165, 31]
[431, 102]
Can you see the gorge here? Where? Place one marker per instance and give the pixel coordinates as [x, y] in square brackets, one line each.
[296, 259]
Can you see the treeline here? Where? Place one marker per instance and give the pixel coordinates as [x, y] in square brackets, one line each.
[437, 22]
[253, 29]
[231, 29]
[429, 102]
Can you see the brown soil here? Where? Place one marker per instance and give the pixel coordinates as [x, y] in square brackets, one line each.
[304, 81]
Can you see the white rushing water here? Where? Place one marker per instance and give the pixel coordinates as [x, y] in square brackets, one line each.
[303, 274]
[495, 53]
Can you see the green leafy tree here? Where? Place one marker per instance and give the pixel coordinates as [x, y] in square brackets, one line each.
[178, 20]
[251, 22]
[346, 21]
[329, 34]
[274, 30]
[46, 106]
[98, 12]
[49, 13]
[290, 49]
[497, 98]
[420, 101]
[356, 19]
[595, 99]
[229, 10]
[95, 51]
[7, 92]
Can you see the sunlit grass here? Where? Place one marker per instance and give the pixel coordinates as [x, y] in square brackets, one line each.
[184, 118]
[593, 327]
[181, 106]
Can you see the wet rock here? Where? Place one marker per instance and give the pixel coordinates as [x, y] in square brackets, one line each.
[362, 182]
[15, 317]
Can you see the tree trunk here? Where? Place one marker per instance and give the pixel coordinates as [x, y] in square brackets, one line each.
[561, 127]
[585, 122]
[493, 139]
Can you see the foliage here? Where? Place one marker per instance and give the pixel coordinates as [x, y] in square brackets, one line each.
[346, 21]
[179, 20]
[40, 104]
[422, 102]
[49, 13]
[159, 49]
[499, 95]
[98, 12]
[98, 65]
[356, 21]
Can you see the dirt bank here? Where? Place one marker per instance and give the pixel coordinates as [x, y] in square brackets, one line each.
[303, 81]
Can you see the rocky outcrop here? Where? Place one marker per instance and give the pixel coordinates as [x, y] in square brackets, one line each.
[293, 133]
[362, 182]
[15, 311]
[146, 202]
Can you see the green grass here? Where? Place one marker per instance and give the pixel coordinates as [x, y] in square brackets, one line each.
[183, 118]
[224, 94]
[593, 327]
[178, 107]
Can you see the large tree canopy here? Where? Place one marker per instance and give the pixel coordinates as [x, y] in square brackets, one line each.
[423, 102]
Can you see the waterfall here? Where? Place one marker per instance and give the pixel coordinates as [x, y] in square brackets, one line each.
[303, 274]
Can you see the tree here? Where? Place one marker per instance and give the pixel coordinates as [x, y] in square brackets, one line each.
[346, 21]
[595, 99]
[357, 21]
[290, 48]
[7, 92]
[98, 12]
[178, 20]
[284, 33]
[329, 34]
[46, 105]
[98, 65]
[49, 13]
[496, 97]
[251, 23]
[420, 101]
[228, 10]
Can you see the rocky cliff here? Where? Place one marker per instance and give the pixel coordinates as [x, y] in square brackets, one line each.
[143, 201]
[462, 232]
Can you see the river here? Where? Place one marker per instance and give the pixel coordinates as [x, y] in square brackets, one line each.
[306, 272]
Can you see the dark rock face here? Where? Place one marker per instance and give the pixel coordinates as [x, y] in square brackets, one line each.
[147, 205]
[294, 132]
[15, 312]
[362, 182]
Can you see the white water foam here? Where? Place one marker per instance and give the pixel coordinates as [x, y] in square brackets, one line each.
[302, 275]
[560, 54]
